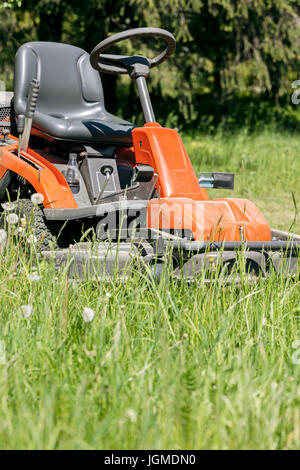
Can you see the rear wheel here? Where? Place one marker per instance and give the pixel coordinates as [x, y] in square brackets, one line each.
[30, 220]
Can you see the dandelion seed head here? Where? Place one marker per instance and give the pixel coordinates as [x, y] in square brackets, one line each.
[26, 310]
[37, 198]
[34, 277]
[12, 219]
[88, 314]
[131, 415]
[32, 238]
[19, 231]
[8, 206]
[108, 295]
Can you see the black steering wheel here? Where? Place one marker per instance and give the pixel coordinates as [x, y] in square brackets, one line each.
[118, 64]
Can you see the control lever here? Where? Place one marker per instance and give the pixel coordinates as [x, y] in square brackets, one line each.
[25, 121]
[106, 171]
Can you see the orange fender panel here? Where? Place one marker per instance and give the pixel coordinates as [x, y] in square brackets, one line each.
[256, 228]
[46, 179]
[163, 149]
[216, 220]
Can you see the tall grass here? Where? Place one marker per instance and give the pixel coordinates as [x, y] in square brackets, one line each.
[161, 365]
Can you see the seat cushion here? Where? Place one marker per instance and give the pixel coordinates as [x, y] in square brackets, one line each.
[90, 130]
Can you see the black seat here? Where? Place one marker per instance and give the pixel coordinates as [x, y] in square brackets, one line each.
[70, 104]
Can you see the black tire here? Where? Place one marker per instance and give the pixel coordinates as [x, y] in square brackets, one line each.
[35, 223]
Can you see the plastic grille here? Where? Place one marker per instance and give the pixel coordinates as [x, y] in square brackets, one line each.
[5, 114]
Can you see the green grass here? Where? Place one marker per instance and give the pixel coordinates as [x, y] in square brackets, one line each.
[161, 365]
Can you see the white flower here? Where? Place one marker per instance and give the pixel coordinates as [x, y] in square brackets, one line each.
[26, 310]
[19, 231]
[131, 415]
[88, 314]
[8, 206]
[34, 277]
[32, 238]
[12, 219]
[3, 237]
[37, 198]
[108, 295]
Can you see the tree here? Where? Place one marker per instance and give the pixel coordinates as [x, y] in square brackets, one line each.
[225, 48]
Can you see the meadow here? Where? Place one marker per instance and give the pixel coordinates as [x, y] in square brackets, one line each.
[166, 365]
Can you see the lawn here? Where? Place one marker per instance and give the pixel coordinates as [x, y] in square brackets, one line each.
[166, 365]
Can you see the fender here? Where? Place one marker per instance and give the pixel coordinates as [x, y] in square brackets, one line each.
[41, 174]
[183, 204]
[163, 149]
[217, 220]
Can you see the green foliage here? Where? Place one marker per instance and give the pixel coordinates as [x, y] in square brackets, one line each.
[224, 48]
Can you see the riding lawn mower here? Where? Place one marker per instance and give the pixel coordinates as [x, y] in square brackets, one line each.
[134, 187]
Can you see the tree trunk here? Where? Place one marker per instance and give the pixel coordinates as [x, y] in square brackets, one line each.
[275, 79]
[50, 25]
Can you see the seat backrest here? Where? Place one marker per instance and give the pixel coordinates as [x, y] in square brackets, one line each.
[69, 86]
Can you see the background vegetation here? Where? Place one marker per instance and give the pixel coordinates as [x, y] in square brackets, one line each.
[169, 365]
[235, 60]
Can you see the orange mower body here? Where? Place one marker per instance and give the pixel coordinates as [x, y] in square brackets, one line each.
[182, 204]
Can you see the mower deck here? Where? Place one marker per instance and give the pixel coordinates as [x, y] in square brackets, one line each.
[191, 260]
